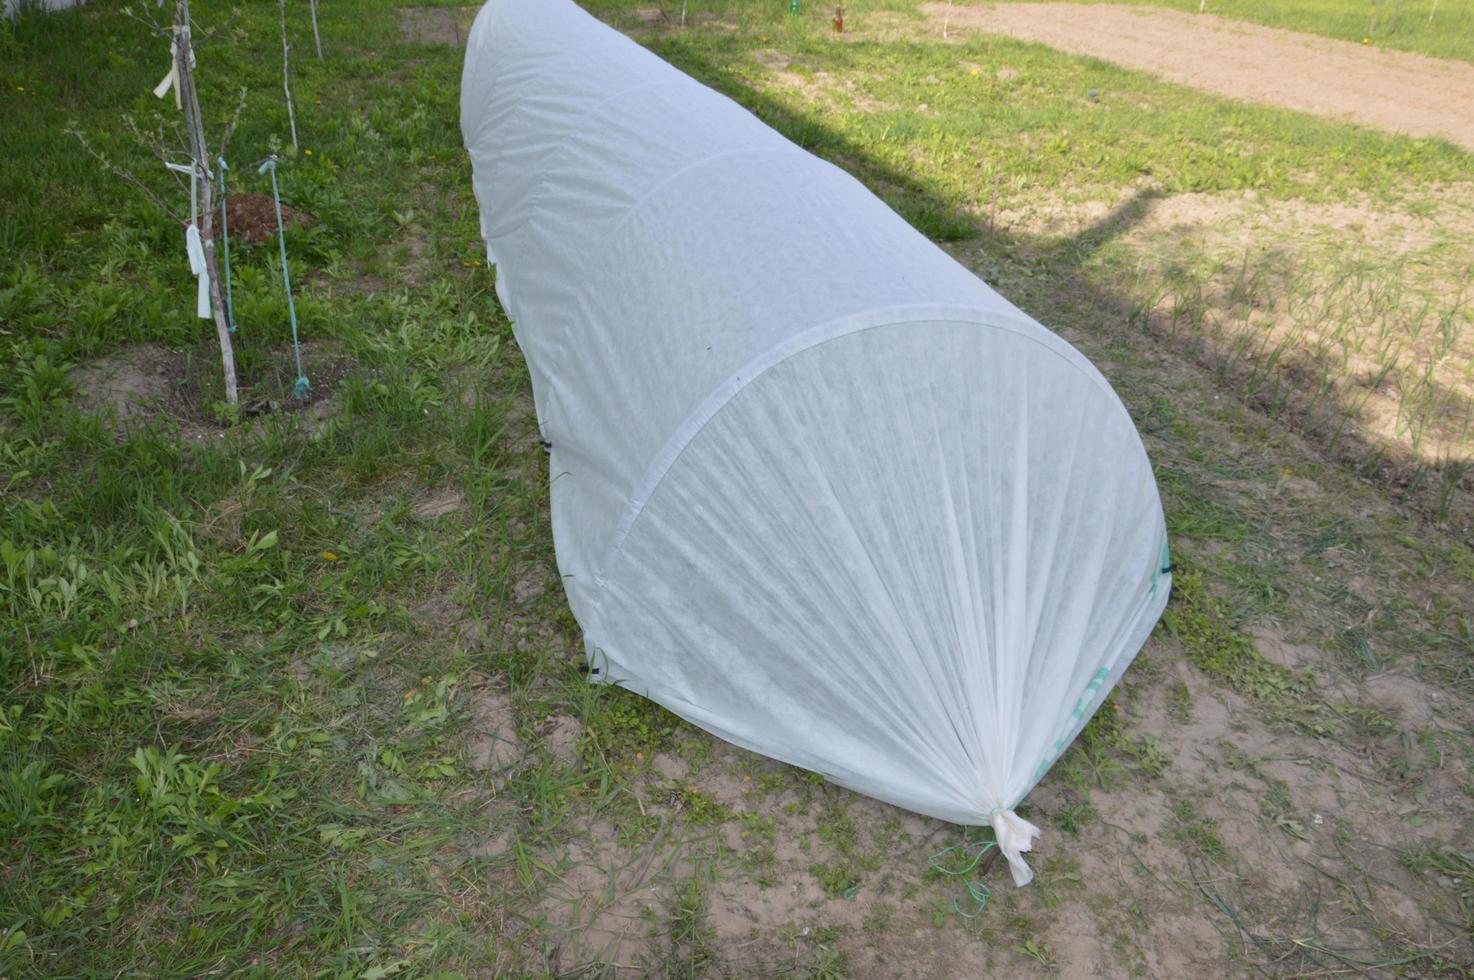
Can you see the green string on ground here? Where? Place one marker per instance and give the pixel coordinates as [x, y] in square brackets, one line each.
[960, 861]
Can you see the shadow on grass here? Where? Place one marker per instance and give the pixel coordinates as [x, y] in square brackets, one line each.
[1281, 389]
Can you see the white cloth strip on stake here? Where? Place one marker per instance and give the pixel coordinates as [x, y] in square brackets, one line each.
[194, 246]
[171, 80]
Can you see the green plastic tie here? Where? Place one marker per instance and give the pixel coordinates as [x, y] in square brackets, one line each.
[301, 388]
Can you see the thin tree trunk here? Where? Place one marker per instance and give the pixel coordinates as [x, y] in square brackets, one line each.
[286, 72]
[199, 150]
[316, 37]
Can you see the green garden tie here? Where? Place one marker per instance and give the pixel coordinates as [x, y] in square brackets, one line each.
[301, 388]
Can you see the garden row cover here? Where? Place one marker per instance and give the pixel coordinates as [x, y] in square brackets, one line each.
[815, 486]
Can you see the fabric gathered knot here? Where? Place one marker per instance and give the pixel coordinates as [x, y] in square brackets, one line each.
[1015, 837]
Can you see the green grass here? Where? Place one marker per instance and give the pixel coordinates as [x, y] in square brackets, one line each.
[249, 668]
[1040, 128]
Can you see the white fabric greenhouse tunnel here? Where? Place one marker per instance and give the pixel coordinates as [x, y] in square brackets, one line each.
[816, 488]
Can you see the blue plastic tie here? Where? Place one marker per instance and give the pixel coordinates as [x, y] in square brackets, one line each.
[225, 242]
[302, 387]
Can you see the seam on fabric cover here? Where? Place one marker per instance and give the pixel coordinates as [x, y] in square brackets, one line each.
[845, 326]
[784, 150]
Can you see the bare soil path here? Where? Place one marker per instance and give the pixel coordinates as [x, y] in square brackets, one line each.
[1390, 90]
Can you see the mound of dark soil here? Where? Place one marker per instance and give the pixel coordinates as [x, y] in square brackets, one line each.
[252, 217]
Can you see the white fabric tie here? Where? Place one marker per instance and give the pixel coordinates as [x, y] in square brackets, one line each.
[171, 80]
[1015, 836]
[194, 246]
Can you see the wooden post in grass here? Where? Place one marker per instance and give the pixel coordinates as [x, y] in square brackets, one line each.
[286, 72]
[199, 152]
[199, 221]
[316, 37]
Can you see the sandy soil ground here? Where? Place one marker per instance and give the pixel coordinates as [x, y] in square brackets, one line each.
[1391, 90]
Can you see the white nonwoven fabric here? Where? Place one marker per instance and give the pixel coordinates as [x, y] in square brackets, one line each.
[815, 486]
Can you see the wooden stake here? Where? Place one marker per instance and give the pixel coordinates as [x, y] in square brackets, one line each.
[286, 72]
[316, 37]
[199, 151]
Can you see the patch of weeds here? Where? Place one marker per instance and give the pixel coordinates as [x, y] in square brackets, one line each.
[1149, 754]
[1197, 830]
[877, 921]
[841, 874]
[1180, 702]
[839, 878]
[1275, 803]
[823, 962]
[37, 382]
[836, 828]
[701, 808]
[1059, 877]
[692, 951]
[1106, 753]
[1455, 868]
[1193, 513]
[1073, 816]
[1036, 950]
[1092, 765]
[1418, 755]
[759, 856]
[548, 792]
[1205, 628]
[771, 782]
[629, 728]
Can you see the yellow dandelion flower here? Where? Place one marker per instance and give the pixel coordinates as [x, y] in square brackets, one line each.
[328, 555]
